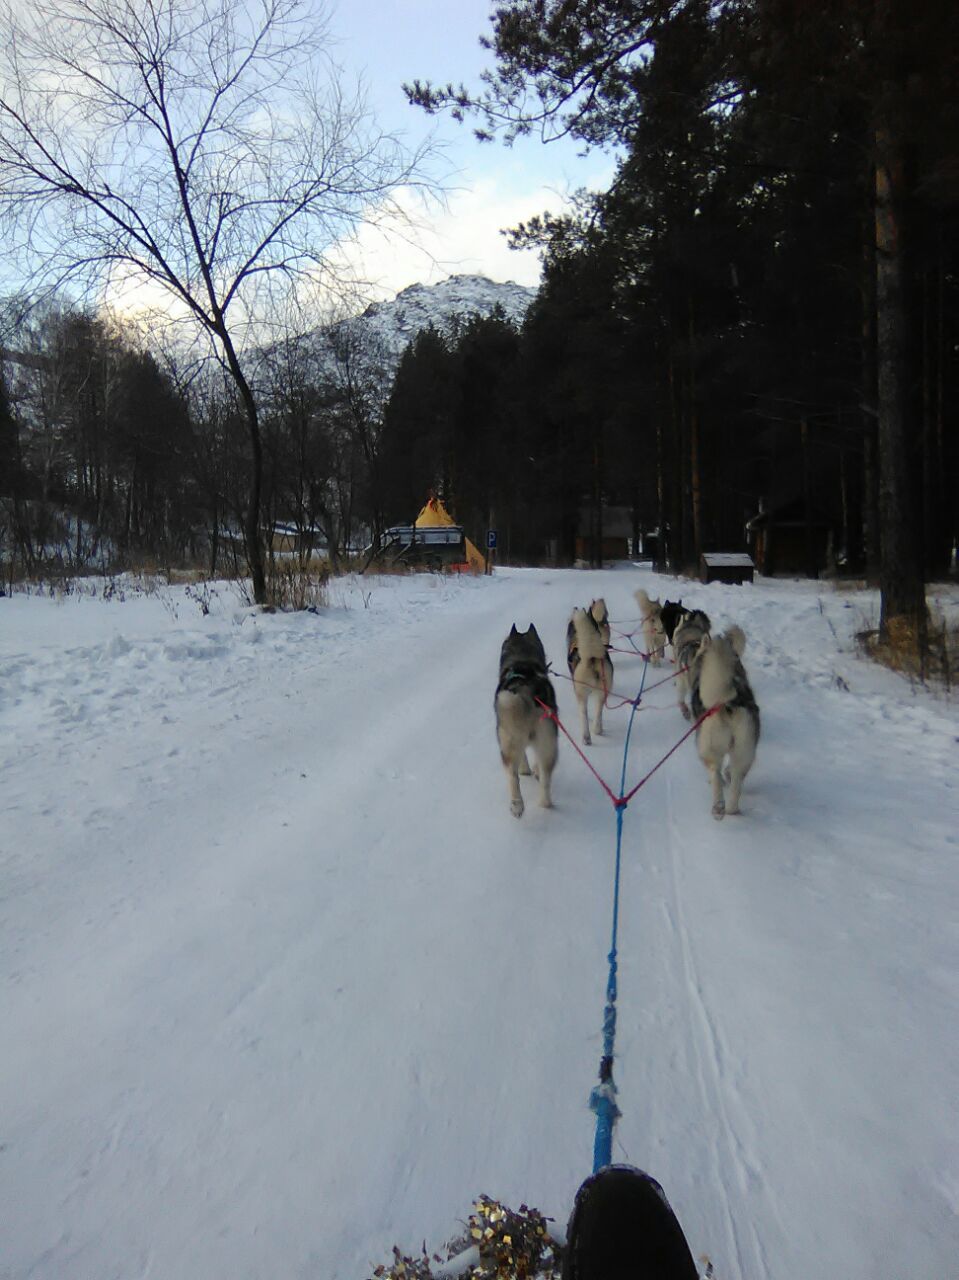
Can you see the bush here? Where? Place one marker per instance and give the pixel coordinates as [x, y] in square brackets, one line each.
[499, 1244]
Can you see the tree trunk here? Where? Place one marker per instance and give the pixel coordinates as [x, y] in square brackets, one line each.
[903, 611]
[677, 549]
[695, 479]
[597, 556]
[869, 410]
[252, 536]
[660, 494]
[809, 548]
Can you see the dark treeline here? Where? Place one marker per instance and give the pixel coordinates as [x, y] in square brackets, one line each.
[764, 306]
[109, 458]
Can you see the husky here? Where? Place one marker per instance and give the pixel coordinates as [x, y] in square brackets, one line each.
[600, 615]
[719, 679]
[687, 638]
[520, 720]
[669, 615]
[590, 666]
[654, 634]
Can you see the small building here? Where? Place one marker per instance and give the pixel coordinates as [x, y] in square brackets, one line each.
[789, 537]
[734, 567]
[616, 539]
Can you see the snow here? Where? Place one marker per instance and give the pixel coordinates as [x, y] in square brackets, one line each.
[422, 306]
[727, 560]
[285, 983]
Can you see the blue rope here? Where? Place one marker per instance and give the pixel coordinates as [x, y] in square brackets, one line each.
[602, 1100]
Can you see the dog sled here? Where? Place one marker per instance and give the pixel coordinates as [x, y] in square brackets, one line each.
[433, 541]
[438, 548]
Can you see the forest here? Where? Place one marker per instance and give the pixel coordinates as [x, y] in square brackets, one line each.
[758, 318]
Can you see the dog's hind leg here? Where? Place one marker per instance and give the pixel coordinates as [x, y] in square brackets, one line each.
[741, 758]
[512, 781]
[713, 743]
[595, 721]
[546, 746]
[716, 782]
[582, 697]
[682, 692]
[605, 680]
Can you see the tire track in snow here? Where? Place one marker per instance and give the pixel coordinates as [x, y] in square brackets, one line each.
[710, 1056]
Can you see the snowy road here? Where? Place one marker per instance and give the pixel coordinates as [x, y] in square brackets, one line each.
[284, 982]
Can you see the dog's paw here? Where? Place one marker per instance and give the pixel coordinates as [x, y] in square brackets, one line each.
[687, 714]
[587, 740]
[516, 807]
[545, 802]
[719, 809]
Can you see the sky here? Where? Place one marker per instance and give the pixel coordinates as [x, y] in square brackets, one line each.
[482, 188]
[488, 185]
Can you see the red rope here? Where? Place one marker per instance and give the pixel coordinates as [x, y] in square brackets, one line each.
[642, 782]
[551, 715]
[623, 702]
[620, 802]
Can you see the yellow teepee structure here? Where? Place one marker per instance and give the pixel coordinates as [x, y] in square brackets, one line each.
[433, 514]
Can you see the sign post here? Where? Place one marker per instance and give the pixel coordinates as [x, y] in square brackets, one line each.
[491, 535]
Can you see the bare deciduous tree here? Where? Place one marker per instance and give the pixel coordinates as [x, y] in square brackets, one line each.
[202, 147]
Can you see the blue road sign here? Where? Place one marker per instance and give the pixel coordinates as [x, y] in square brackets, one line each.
[491, 539]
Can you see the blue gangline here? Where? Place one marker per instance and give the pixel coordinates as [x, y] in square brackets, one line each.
[602, 1100]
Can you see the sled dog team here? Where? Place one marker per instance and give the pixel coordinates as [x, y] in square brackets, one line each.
[710, 674]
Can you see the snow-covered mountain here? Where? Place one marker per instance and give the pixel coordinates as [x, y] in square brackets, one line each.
[395, 324]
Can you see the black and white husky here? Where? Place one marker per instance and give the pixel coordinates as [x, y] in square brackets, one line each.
[687, 637]
[719, 679]
[654, 633]
[520, 720]
[590, 667]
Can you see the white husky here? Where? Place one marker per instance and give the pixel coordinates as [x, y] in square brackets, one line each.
[719, 680]
[654, 634]
[591, 668]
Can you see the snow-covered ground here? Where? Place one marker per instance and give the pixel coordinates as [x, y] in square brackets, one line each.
[284, 982]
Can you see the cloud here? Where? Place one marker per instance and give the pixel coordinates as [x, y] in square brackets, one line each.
[426, 243]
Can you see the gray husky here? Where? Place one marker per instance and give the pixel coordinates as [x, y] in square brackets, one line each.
[719, 679]
[520, 720]
[687, 637]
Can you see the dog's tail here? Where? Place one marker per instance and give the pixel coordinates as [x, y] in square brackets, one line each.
[717, 660]
[600, 615]
[737, 639]
[642, 599]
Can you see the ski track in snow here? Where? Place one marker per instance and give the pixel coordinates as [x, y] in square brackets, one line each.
[285, 983]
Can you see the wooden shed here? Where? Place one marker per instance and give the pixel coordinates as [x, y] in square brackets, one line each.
[726, 566]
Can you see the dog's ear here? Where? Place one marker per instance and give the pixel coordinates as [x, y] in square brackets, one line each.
[513, 631]
[531, 630]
